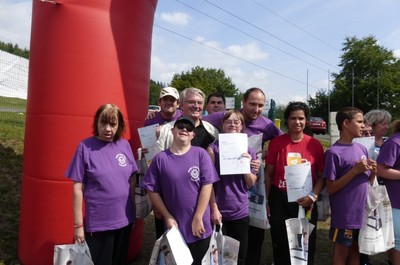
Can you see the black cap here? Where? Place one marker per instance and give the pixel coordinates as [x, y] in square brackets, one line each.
[185, 119]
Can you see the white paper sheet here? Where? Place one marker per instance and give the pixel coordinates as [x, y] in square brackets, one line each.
[148, 140]
[231, 149]
[178, 246]
[298, 181]
[368, 142]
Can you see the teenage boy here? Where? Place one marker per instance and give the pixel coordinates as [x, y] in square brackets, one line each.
[348, 172]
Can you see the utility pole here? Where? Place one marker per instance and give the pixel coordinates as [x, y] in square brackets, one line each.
[377, 93]
[329, 104]
[307, 88]
[352, 87]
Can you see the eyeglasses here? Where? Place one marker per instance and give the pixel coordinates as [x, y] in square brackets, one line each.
[194, 102]
[233, 122]
[187, 126]
[367, 133]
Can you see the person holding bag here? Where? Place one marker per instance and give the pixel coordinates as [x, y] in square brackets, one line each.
[229, 202]
[389, 169]
[348, 172]
[102, 169]
[292, 148]
[179, 181]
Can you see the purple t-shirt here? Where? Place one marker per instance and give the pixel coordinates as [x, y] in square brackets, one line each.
[179, 179]
[158, 119]
[231, 190]
[389, 155]
[105, 169]
[257, 126]
[347, 204]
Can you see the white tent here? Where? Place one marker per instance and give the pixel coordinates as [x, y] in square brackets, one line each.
[13, 75]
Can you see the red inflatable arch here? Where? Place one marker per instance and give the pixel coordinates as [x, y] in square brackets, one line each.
[82, 54]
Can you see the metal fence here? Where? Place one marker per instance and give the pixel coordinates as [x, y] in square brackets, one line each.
[13, 89]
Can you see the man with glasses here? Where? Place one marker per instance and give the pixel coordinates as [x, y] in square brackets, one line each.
[192, 104]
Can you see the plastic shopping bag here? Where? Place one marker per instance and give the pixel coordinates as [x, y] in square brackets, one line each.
[72, 254]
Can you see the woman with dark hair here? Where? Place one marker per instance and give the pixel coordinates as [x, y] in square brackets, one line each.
[101, 169]
[292, 148]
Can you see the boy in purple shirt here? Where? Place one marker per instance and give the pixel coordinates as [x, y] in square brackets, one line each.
[389, 169]
[348, 170]
[179, 181]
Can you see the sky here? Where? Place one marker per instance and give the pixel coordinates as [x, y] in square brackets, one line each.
[287, 48]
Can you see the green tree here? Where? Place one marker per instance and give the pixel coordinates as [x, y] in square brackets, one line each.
[154, 91]
[373, 71]
[318, 105]
[208, 80]
[14, 49]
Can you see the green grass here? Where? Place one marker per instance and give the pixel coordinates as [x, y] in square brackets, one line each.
[12, 127]
[15, 104]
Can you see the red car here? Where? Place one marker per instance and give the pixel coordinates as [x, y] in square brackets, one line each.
[317, 125]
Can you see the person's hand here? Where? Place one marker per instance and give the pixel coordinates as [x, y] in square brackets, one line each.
[198, 227]
[305, 202]
[170, 222]
[151, 114]
[216, 216]
[361, 166]
[372, 165]
[255, 165]
[144, 151]
[79, 235]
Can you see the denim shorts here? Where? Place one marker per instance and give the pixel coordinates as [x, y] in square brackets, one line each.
[345, 237]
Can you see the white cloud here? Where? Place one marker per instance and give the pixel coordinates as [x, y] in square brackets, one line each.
[15, 21]
[175, 18]
[251, 51]
[396, 53]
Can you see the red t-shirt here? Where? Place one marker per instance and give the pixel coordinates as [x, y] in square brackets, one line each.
[282, 151]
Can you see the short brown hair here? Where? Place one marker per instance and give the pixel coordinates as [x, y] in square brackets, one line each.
[346, 113]
[106, 113]
[238, 114]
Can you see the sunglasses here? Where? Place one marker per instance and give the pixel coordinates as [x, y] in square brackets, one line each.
[186, 126]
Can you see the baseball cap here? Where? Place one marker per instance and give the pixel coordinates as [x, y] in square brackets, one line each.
[185, 119]
[169, 91]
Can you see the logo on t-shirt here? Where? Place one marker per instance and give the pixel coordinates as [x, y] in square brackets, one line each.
[121, 160]
[293, 159]
[194, 173]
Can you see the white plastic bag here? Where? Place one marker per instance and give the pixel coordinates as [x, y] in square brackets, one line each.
[298, 232]
[171, 249]
[377, 234]
[142, 199]
[222, 249]
[72, 254]
[258, 202]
